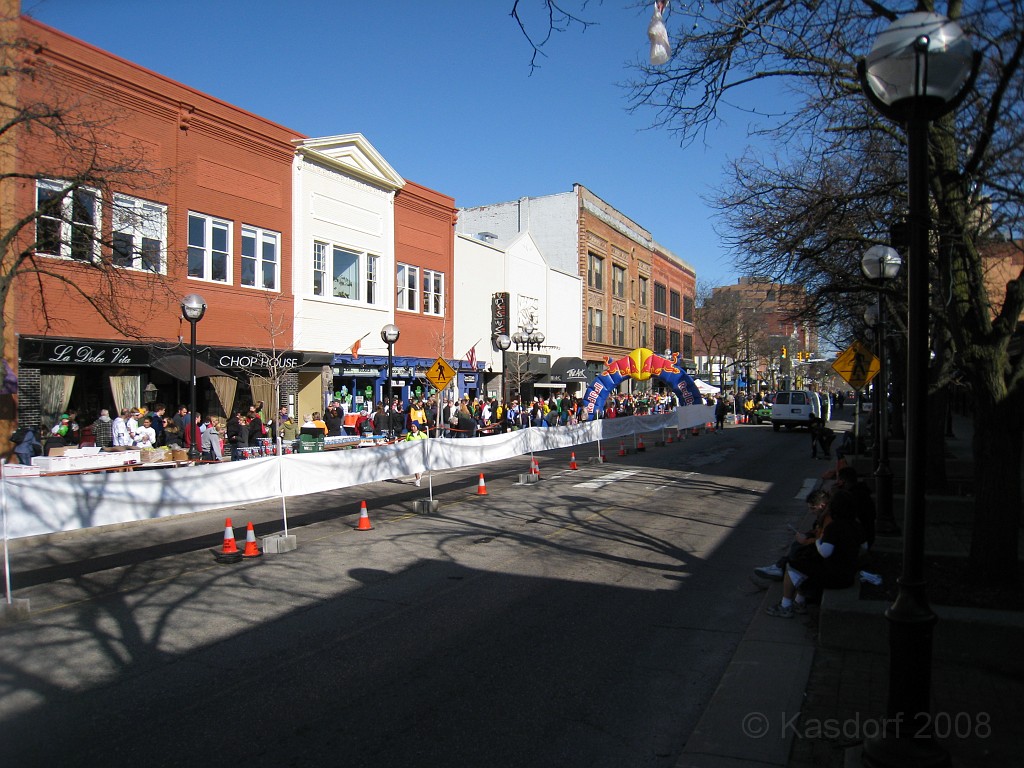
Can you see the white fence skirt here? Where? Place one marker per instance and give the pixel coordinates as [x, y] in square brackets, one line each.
[40, 505]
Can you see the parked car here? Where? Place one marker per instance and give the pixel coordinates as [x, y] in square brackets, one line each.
[794, 408]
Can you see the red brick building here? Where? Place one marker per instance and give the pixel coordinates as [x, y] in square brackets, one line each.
[150, 191]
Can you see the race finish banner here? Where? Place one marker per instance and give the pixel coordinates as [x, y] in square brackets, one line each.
[857, 365]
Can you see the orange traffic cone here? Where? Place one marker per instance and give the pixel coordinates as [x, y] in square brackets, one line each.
[251, 550]
[364, 519]
[536, 468]
[668, 438]
[229, 547]
[572, 461]
[622, 448]
[481, 486]
[695, 432]
[640, 443]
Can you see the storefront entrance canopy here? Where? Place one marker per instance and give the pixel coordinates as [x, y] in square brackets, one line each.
[179, 366]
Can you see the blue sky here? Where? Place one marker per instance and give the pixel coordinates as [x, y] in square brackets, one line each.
[443, 89]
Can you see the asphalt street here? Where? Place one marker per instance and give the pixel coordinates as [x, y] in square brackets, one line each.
[585, 620]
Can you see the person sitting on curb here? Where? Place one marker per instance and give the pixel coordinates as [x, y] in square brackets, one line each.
[831, 561]
[817, 503]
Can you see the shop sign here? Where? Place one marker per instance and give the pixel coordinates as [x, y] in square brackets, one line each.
[499, 313]
[67, 352]
[469, 378]
[247, 359]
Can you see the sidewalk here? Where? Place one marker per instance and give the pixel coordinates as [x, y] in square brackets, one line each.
[786, 700]
[975, 700]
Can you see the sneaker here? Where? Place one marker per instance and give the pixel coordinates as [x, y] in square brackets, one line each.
[772, 572]
[799, 608]
[778, 610]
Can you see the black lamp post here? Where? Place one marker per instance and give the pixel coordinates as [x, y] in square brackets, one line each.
[529, 338]
[389, 334]
[879, 264]
[503, 341]
[193, 307]
[919, 69]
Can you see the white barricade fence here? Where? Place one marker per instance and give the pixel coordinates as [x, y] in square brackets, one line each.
[47, 504]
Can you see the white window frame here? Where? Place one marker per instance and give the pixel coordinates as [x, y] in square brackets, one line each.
[364, 289]
[433, 300]
[141, 220]
[210, 224]
[407, 289]
[619, 273]
[261, 259]
[67, 224]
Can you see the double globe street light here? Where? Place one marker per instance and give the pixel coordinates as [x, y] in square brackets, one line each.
[503, 341]
[920, 68]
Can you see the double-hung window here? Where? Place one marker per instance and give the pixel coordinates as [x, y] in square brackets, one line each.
[674, 305]
[408, 287]
[619, 330]
[261, 263]
[595, 324]
[68, 221]
[433, 292]
[618, 281]
[660, 298]
[595, 271]
[209, 248]
[139, 232]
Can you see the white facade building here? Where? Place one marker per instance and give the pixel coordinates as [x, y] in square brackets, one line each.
[343, 260]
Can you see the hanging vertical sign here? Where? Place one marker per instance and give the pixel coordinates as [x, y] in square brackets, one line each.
[499, 313]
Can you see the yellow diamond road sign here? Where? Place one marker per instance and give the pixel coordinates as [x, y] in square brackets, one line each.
[857, 365]
[440, 374]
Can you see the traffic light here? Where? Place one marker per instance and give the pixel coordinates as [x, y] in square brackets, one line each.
[783, 353]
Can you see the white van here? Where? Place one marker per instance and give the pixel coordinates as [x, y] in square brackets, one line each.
[793, 408]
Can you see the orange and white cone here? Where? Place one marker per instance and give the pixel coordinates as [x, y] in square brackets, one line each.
[229, 547]
[364, 519]
[572, 461]
[481, 486]
[668, 438]
[640, 443]
[251, 550]
[536, 468]
[622, 448]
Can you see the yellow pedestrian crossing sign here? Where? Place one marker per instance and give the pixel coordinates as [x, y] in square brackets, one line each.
[857, 365]
[440, 374]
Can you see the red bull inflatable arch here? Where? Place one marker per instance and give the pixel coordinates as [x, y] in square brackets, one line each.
[640, 364]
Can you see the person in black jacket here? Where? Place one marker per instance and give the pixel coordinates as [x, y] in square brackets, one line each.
[397, 420]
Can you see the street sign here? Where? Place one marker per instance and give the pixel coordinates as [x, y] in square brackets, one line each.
[440, 374]
[857, 365]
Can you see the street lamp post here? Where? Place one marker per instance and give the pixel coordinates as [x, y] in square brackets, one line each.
[389, 335]
[503, 341]
[527, 338]
[919, 68]
[879, 264]
[193, 307]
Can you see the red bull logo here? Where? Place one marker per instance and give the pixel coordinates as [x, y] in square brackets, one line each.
[641, 364]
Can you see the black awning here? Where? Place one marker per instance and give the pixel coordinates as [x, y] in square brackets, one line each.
[566, 369]
[179, 366]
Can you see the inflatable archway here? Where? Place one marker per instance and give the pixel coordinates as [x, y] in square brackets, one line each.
[640, 364]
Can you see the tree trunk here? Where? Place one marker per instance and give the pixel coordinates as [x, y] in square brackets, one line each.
[997, 493]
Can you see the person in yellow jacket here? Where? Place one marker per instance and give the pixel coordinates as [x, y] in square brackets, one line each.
[415, 434]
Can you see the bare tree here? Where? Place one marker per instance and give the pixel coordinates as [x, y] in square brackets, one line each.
[61, 159]
[716, 320]
[835, 186]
